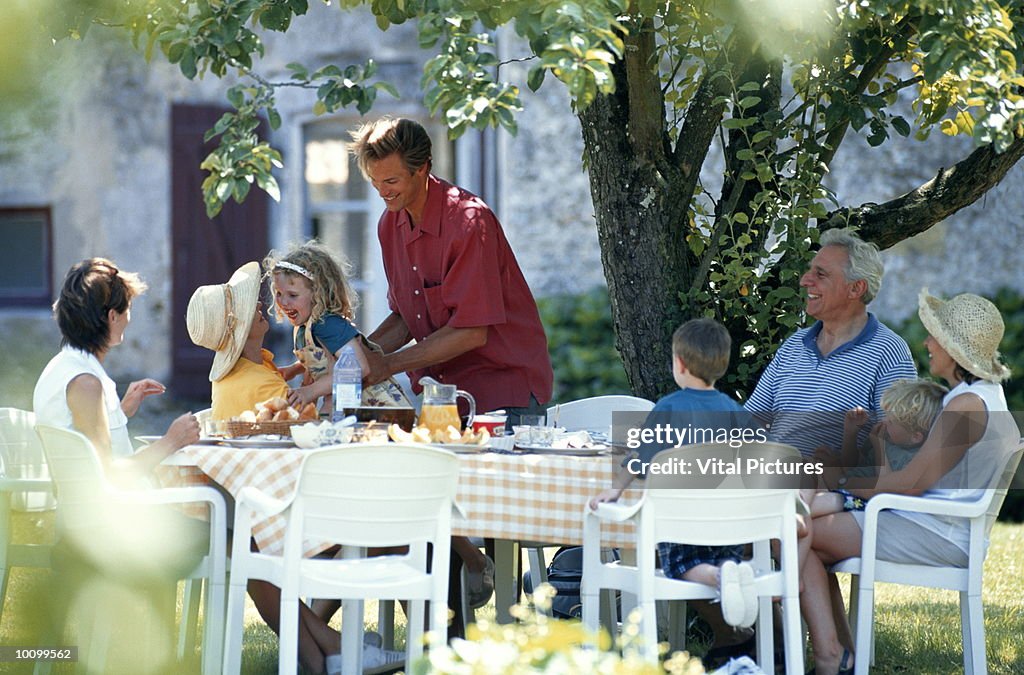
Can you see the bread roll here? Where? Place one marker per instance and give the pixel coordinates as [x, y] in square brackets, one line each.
[265, 415]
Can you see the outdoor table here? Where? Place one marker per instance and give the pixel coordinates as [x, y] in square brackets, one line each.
[508, 497]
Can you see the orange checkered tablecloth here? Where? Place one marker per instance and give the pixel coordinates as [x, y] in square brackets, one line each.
[525, 497]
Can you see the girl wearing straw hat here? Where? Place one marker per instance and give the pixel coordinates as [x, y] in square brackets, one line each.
[228, 318]
[975, 424]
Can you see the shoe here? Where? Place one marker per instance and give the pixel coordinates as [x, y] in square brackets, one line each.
[750, 604]
[377, 660]
[480, 585]
[716, 657]
[730, 595]
[372, 638]
[844, 668]
[372, 642]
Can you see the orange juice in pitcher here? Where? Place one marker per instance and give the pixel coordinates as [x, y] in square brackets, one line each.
[439, 409]
[439, 417]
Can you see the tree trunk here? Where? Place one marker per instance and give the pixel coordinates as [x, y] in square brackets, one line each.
[641, 221]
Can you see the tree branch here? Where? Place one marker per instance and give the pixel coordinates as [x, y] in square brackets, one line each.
[905, 28]
[942, 196]
[646, 102]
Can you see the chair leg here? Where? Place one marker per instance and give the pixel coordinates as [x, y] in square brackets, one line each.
[864, 631]
[972, 627]
[538, 572]
[352, 635]
[190, 598]
[414, 631]
[288, 630]
[649, 631]
[386, 622]
[213, 626]
[609, 605]
[234, 627]
[792, 630]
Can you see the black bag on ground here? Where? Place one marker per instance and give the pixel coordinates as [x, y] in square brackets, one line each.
[565, 574]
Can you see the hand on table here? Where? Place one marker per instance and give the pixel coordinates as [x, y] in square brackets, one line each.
[183, 431]
[137, 391]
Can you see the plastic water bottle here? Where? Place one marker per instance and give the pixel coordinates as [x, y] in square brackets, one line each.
[347, 383]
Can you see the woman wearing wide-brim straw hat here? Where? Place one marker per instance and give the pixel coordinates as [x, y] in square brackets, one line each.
[963, 349]
[228, 318]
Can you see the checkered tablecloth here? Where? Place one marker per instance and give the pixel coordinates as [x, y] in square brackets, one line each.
[516, 497]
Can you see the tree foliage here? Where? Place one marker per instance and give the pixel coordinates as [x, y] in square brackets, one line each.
[768, 88]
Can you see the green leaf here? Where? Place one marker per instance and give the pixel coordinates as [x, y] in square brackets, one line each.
[319, 108]
[748, 101]
[901, 126]
[536, 77]
[274, 117]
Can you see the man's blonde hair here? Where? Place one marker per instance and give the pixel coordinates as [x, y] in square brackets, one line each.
[373, 141]
[914, 403]
[703, 345]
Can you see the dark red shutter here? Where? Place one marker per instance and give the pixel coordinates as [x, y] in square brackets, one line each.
[203, 251]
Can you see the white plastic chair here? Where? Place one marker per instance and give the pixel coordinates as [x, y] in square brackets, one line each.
[709, 517]
[866, 570]
[358, 496]
[22, 471]
[586, 414]
[86, 499]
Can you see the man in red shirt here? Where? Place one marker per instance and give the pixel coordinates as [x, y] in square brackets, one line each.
[454, 284]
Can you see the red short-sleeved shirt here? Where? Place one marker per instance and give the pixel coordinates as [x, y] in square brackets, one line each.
[457, 269]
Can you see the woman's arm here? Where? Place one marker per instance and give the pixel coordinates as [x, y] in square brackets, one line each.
[89, 416]
[959, 426]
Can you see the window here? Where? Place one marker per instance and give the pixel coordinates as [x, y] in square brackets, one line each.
[25, 276]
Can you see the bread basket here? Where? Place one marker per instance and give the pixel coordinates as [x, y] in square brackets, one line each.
[234, 428]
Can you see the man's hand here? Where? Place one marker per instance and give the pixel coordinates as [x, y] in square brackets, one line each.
[609, 495]
[137, 391]
[377, 369]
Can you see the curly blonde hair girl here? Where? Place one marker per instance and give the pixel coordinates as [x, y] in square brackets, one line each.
[326, 273]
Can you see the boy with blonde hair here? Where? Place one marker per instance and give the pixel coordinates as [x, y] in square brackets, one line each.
[910, 408]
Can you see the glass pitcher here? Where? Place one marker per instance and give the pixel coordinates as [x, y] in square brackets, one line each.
[439, 410]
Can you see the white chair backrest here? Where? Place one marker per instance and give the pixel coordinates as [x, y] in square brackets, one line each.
[716, 516]
[998, 495]
[21, 456]
[75, 467]
[375, 495]
[595, 413]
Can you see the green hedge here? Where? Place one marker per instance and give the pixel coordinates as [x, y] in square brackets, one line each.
[581, 342]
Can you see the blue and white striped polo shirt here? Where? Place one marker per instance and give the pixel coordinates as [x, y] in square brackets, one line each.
[804, 396]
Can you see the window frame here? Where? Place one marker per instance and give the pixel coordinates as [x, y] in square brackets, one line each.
[45, 297]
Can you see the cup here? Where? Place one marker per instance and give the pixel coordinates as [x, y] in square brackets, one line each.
[533, 427]
[495, 424]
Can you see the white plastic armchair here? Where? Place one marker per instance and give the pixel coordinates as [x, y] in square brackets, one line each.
[707, 517]
[22, 471]
[358, 496]
[867, 570]
[587, 414]
[86, 499]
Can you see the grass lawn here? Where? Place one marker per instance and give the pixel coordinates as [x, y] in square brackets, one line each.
[917, 630]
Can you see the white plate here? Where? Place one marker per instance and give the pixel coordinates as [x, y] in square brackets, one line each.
[204, 440]
[460, 448]
[548, 450]
[257, 442]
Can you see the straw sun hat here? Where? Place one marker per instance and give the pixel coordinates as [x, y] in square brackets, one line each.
[220, 315]
[969, 328]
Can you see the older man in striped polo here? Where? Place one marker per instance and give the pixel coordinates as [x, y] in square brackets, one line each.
[845, 360]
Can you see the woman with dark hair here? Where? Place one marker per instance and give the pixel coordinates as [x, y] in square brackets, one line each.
[974, 424]
[75, 392]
